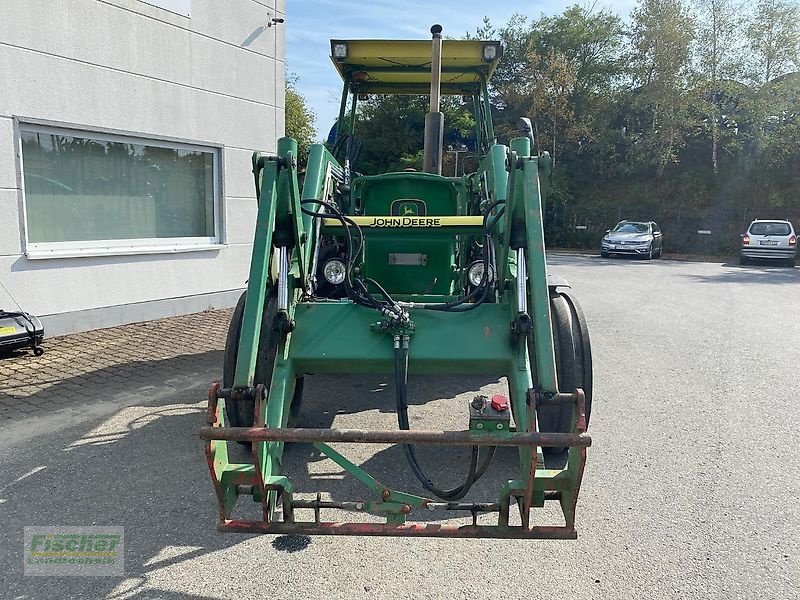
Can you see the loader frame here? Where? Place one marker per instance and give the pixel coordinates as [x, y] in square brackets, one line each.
[339, 336]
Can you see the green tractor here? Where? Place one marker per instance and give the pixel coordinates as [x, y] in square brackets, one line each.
[405, 273]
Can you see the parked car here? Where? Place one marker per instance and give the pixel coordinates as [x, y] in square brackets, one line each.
[772, 239]
[634, 238]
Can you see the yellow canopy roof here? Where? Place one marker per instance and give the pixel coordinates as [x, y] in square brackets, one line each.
[404, 66]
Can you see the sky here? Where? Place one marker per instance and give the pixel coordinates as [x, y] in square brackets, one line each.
[310, 24]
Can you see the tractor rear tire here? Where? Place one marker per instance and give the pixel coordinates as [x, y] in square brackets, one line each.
[573, 354]
[242, 413]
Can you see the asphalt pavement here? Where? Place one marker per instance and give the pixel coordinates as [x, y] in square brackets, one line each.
[691, 487]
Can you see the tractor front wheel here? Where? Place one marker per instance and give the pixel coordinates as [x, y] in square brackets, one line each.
[573, 354]
[242, 413]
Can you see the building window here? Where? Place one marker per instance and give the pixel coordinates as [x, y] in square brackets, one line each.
[88, 193]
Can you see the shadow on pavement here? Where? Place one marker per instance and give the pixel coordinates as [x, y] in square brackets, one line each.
[141, 467]
[595, 260]
[750, 274]
[47, 390]
[436, 403]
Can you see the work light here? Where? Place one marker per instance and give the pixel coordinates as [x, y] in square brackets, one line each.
[475, 273]
[490, 52]
[334, 271]
[339, 50]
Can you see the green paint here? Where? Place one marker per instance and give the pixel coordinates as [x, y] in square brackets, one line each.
[373, 484]
[415, 263]
[258, 281]
[539, 302]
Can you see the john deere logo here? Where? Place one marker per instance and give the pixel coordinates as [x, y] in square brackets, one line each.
[408, 207]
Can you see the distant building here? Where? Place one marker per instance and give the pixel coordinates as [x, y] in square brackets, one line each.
[126, 131]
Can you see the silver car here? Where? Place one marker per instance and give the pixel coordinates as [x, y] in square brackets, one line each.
[634, 238]
[769, 239]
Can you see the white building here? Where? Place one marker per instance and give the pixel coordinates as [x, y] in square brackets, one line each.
[126, 134]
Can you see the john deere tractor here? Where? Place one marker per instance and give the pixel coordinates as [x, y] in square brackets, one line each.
[405, 273]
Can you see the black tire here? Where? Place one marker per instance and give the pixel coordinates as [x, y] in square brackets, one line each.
[659, 253]
[790, 263]
[742, 260]
[603, 254]
[573, 352]
[242, 413]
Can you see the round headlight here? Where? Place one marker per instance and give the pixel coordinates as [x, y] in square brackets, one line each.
[475, 273]
[334, 271]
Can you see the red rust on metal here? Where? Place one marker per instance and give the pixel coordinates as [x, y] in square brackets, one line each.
[209, 452]
[580, 425]
[434, 438]
[527, 501]
[569, 505]
[572, 502]
[386, 493]
[259, 414]
[212, 417]
[266, 508]
[213, 398]
[401, 530]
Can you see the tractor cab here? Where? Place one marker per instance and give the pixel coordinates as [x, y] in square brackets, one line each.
[418, 261]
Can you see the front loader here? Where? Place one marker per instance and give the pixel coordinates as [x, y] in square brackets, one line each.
[405, 273]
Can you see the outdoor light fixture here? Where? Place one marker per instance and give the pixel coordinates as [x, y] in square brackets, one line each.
[476, 271]
[491, 52]
[334, 271]
[339, 50]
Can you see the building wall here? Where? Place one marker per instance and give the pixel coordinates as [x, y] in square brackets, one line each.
[213, 78]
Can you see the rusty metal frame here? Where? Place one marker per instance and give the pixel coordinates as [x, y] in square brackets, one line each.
[233, 480]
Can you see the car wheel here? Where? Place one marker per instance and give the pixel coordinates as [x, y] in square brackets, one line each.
[660, 252]
[742, 260]
[603, 254]
[790, 263]
[649, 255]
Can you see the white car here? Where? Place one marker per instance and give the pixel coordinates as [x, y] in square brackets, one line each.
[769, 239]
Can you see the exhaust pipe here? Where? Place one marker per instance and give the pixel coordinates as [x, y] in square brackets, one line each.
[434, 120]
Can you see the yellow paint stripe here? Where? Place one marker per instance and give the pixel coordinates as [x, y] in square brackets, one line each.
[412, 222]
[69, 553]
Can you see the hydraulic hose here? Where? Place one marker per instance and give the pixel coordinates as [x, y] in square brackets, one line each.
[356, 289]
[401, 392]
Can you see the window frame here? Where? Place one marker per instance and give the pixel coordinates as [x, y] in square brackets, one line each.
[128, 246]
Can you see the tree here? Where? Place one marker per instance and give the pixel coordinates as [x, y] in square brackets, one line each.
[299, 120]
[661, 37]
[590, 42]
[392, 129]
[560, 71]
[719, 61]
[774, 38]
[544, 92]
